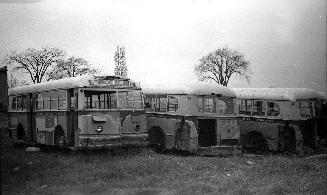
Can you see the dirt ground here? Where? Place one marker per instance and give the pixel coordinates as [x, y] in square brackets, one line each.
[142, 171]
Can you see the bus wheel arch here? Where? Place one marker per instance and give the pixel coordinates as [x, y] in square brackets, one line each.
[157, 138]
[255, 141]
[59, 137]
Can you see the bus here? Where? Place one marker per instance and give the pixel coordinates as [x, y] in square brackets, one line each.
[81, 112]
[278, 119]
[199, 118]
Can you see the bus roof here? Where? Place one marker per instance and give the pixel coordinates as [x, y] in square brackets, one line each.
[289, 94]
[188, 88]
[66, 83]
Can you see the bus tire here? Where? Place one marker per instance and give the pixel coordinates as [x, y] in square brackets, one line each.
[59, 137]
[255, 142]
[157, 139]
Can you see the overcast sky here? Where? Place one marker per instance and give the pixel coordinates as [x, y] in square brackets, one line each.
[284, 40]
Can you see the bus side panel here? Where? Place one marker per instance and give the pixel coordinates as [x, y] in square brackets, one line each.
[228, 132]
[168, 126]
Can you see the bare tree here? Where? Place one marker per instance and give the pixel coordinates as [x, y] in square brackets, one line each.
[71, 67]
[35, 62]
[221, 64]
[120, 62]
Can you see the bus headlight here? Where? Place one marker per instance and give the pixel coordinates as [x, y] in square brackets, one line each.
[99, 128]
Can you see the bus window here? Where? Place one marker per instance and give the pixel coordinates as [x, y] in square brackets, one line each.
[259, 108]
[134, 100]
[121, 102]
[95, 101]
[46, 100]
[225, 106]
[14, 103]
[221, 107]
[172, 104]
[53, 100]
[245, 107]
[206, 105]
[200, 104]
[306, 109]
[150, 103]
[161, 104]
[273, 109]
[62, 101]
[100, 100]
[209, 105]
[38, 102]
[19, 103]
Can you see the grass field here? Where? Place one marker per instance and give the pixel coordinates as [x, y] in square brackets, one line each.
[146, 172]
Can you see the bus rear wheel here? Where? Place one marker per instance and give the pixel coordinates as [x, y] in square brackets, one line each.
[255, 142]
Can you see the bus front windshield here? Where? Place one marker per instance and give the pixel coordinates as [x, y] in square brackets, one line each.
[113, 99]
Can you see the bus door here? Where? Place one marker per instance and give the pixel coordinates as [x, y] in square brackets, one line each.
[31, 119]
[207, 132]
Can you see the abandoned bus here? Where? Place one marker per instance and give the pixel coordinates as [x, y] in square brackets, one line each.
[199, 118]
[85, 111]
[278, 119]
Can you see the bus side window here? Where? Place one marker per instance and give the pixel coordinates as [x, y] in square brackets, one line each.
[172, 104]
[306, 109]
[221, 107]
[38, 102]
[53, 100]
[273, 109]
[62, 100]
[46, 100]
[259, 108]
[161, 104]
[19, 103]
[209, 105]
[72, 99]
[245, 107]
[14, 103]
[225, 105]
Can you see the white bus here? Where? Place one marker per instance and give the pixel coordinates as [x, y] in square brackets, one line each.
[278, 119]
[199, 118]
[86, 111]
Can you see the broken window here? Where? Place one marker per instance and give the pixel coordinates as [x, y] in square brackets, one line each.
[306, 109]
[259, 108]
[101, 100]
[172, 104]
[273, 109]
[245, 107]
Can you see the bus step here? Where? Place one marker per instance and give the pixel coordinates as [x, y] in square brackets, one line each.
[218, 150]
